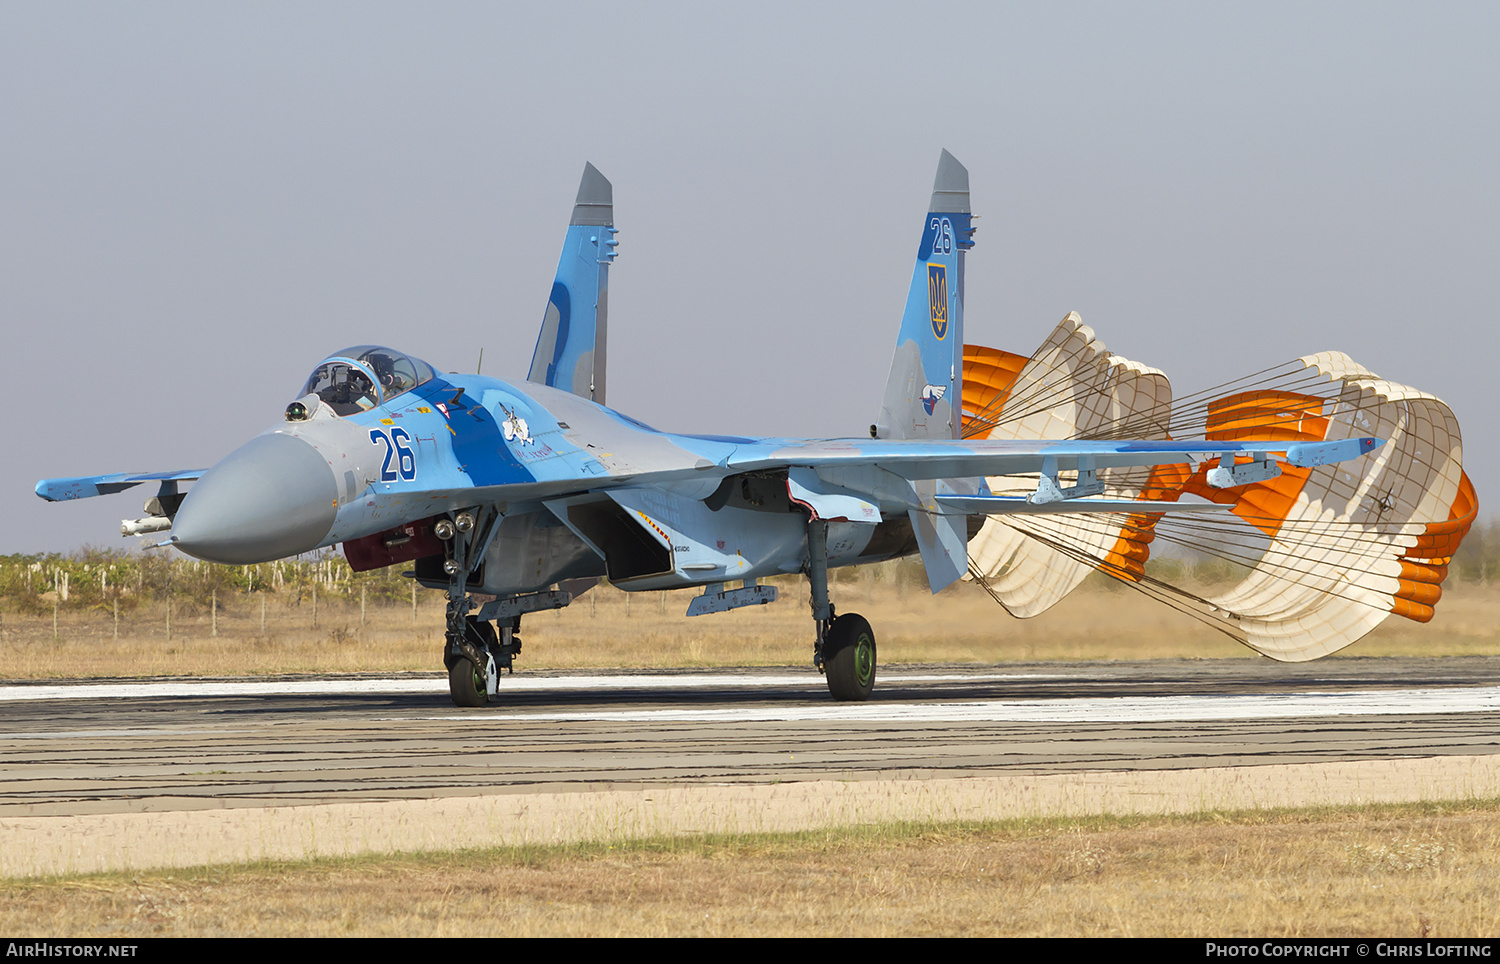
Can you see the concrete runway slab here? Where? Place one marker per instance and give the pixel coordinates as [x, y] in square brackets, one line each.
[183, 745]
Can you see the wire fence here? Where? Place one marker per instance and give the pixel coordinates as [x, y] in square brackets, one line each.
[119, 582]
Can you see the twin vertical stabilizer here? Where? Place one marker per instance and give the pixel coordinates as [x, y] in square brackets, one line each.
[570, 351]
[924, 392]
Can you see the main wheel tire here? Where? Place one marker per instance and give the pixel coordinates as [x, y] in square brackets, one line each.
[849, 658]
[466, 683]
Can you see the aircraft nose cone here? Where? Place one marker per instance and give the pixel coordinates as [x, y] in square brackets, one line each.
[271, 498]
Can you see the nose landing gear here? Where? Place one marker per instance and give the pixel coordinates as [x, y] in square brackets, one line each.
[472, 646]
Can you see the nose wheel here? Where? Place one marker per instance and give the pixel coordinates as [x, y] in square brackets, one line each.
[470, 669]
[466, 683]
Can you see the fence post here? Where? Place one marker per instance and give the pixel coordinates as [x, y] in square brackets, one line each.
[214, 625]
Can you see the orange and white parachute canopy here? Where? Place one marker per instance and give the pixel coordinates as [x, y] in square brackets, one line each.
[1071, 387]
[1325, 554]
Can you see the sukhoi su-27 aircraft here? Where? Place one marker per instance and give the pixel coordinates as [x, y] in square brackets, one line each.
[528, 492]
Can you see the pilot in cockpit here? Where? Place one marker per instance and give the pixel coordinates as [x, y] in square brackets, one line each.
[384, 367]
[343, 388]
[343, 381]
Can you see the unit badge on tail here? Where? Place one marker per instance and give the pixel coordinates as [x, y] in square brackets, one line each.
[930, 396]
[937, 299]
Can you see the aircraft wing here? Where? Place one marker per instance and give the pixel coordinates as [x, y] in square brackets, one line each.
[912, 460]
[88, 486]
[923, 459]
[858, 466]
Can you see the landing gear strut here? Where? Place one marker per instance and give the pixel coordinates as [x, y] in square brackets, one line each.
[844, 647]
[471, 645]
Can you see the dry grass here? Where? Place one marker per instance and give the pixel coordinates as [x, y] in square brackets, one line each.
[610, 629]
[1414, 870]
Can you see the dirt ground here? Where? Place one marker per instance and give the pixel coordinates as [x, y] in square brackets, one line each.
[31, 846]
[1426, 871]
[606, 628]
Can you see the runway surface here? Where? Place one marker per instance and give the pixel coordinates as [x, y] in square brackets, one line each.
[132, 747]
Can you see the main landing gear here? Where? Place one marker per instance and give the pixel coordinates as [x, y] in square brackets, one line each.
[844, 650]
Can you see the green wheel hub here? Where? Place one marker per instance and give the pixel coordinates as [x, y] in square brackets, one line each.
[864, 660]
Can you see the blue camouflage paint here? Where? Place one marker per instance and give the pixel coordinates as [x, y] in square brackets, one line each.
[560, 302]
[933, 319]
[476, 439]
[570, 348]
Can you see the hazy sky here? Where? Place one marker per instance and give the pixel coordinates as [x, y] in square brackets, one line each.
[199, 201]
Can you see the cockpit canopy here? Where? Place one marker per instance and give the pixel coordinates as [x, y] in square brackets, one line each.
[358, 379]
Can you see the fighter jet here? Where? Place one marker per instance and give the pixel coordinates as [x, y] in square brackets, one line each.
[529, 492]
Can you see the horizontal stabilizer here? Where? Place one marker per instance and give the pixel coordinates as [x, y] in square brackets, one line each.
[943, 541]
[1009, 504]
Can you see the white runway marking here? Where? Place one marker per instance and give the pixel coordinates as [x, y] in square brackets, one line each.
[508, 684]
[1143, 709]
[1124, 709]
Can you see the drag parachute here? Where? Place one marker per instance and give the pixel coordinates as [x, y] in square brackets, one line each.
[1071, 387]
[1322, 555]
